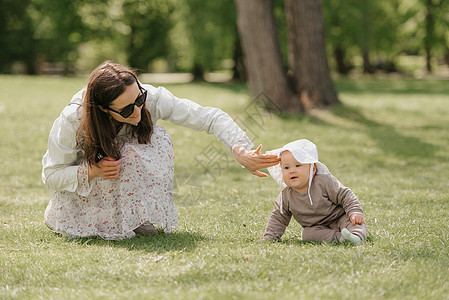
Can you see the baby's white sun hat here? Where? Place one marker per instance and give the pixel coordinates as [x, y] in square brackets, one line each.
[305, 152]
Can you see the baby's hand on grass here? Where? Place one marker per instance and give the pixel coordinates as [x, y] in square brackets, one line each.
[357, 219]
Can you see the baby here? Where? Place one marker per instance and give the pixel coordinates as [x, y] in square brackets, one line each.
[327, 210]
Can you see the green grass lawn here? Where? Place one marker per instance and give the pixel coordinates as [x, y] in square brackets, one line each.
[388, 141]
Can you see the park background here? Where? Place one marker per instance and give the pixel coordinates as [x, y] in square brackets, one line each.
[198, 37]
[386, 138]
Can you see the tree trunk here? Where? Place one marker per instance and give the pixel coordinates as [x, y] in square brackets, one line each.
[307, 53]
[258, 35]
[446, 56]
[430, 32]
[238, 70]
[197, 72]
[340, 59]
[367, 67]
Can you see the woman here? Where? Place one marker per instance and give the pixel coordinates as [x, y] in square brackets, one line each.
[110, 169]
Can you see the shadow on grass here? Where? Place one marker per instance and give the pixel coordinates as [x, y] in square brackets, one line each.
[159, 243]
[392, 86]
[299, 242]
[235, 87]
[387, 137]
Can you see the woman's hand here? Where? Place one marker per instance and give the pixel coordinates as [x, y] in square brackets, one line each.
[357, 219]
[107, 168]
[254, 160]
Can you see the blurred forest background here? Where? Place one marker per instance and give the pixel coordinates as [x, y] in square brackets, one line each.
[199, 37]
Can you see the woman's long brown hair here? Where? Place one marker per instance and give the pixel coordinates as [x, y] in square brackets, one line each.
[97, 134]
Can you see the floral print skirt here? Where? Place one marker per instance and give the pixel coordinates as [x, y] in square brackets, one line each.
[112, 209]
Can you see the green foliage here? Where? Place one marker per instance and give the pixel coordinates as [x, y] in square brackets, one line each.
[385, 28]
[58, 28]
[435, 24]
[354, 26]
[212, 30]
[201, 35]
[387, 141]
[149, 23]
[16, 34]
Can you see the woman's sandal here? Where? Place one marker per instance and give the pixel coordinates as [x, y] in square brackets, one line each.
[145, 229]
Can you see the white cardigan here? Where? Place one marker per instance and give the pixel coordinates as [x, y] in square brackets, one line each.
[62, 159]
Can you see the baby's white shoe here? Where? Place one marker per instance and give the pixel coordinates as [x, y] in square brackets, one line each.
[350, 237]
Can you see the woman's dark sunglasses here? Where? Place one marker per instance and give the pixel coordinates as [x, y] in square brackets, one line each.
[129, 109]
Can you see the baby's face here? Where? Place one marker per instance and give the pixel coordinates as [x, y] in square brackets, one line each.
[295, 174]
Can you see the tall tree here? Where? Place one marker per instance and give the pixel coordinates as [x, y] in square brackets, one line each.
[238, 70]
[430, 32]
[312, 85]
[367, 68]
[351, 31]
[58, 30]
[149, 23]
[16, 36]
[339, 23]
[261, 50]
[212, 34]
[307, 54]
[436, 22]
